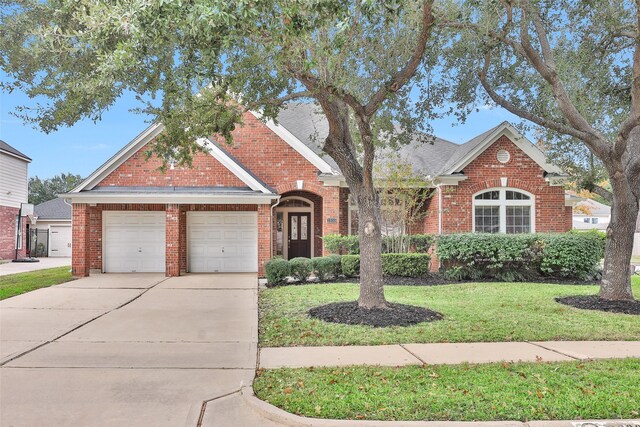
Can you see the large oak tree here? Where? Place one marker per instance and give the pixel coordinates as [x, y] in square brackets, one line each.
[572, 68]
[191, 61]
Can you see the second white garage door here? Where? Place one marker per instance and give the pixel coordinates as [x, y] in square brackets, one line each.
[134, 242]
[222, 242]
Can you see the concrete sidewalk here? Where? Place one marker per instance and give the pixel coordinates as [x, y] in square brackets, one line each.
[445, 353]
[23, 267]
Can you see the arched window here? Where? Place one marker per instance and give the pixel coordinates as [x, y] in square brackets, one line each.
[503, 210]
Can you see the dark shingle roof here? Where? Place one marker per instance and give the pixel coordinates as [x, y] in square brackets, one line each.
[53, 209]
[435, 157]
[9, 149]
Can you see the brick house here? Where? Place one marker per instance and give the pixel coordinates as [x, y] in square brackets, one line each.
[13, 193]
[274, 193]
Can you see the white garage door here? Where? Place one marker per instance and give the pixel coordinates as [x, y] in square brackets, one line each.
[60, 241]
[222, 242]
[134, 242]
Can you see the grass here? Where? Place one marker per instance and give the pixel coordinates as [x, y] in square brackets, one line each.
[473, 312]
[20, 283]
[602, 389]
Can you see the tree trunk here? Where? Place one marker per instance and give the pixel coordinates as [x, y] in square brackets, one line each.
[616, 277]
[371, 282]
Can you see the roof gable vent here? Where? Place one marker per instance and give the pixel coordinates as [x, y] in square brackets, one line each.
[503, 156]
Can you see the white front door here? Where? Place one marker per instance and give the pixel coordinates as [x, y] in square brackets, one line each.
[222, 242]
[133, 242]
[60, 241]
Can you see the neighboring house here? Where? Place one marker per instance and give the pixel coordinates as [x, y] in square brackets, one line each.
[274, 193]
[589, 214]
[54, 228]
[14, 191]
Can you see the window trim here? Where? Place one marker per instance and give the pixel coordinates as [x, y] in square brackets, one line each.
[502, 202]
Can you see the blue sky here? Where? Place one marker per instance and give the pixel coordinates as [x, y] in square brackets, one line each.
[80, 149]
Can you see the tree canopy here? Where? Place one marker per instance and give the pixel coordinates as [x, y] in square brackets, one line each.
[43, 190]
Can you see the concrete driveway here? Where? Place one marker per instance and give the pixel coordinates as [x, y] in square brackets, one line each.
[135, 349]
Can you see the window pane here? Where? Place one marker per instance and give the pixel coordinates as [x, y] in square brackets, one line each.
[489, 195]
[586, 220]
[594, 220]
[488, 219]
[303, 227]
[279, 233]
[294, 228]
[516, 195]
[518, 219]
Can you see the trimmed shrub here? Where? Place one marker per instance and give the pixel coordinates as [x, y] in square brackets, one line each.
[350, 265]
[519, 257]
[574, 255]
[339, 244]
[327, 267]
[300, 268]
[492, 256]
[277, 271]
[408, 265]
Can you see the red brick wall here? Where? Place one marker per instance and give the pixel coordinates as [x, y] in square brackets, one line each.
[522, 173]
[206, 171]
[431, 218]
[173, 240]
[8, 233]
[80, 238]
[568, 217]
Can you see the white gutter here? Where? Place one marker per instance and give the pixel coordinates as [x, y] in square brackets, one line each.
[220, 199]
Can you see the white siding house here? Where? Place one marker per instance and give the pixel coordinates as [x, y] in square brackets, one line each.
[13, 192]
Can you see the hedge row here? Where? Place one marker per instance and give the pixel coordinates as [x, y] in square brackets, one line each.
[324, 268]
[518, 257]
[350, 245]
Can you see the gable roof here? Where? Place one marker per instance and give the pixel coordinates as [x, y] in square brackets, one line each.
[146, 136]
[6, 148]
[438, 157]
[53, 209]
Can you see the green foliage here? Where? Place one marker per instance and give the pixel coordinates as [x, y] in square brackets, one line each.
[421, 242]
[350, 245]
[327, 267]
[350, 265]
[277, 270]
[300, 268]
[408, 265]
[575, 254]
[43, 190]
[519, 257]
[339, 244]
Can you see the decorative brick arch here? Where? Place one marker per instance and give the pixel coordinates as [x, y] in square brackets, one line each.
[516, 184]
[310, 187]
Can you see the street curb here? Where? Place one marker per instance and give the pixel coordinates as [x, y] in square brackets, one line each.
[272, 413]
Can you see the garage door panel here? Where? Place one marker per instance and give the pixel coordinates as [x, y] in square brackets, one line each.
[222, 242]
[134, 242]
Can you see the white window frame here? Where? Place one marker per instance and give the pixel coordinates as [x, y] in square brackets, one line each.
[502, 202]
[18, 240]
[352, 205]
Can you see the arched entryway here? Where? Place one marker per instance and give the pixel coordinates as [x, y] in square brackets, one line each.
[298, 225]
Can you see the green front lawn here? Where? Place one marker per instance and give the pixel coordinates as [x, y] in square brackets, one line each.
[473, 312]
[16, 284]
[523, 391]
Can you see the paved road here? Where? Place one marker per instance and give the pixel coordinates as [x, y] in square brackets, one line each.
[23, 267]
[127, 350]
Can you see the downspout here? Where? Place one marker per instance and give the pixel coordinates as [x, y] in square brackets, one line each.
[271, 228]
[439, 208]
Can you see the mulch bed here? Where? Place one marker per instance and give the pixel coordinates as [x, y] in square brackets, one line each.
[593, 302]
[397, 315]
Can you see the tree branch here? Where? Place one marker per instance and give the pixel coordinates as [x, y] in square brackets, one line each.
[504, 103]
[634, 118]
[602, 192]
[404, 75]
